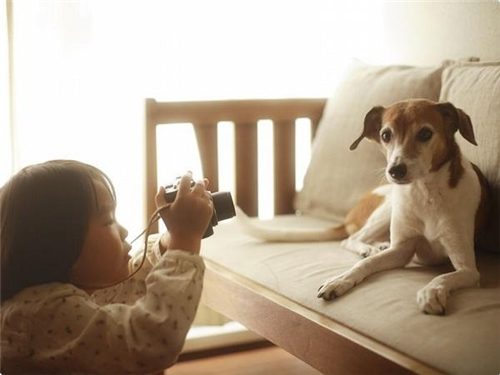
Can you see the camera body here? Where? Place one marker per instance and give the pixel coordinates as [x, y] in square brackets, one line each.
[223, 205]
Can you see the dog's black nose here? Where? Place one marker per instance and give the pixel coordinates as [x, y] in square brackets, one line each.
[398, 172]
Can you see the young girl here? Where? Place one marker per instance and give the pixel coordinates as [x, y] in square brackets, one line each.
[62, 251]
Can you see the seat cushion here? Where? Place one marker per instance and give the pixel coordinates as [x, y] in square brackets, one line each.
[337, 177]
[475, 88]
[464, 341]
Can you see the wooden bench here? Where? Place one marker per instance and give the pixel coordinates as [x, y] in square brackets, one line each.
[319, 341]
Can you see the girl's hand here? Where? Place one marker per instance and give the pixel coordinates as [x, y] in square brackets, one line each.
[188, 217]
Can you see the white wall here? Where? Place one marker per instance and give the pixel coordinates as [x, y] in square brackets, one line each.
[425, 33]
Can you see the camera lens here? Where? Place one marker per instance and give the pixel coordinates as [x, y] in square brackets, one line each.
[223, 205]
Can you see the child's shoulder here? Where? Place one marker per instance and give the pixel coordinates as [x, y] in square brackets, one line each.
[39, 296]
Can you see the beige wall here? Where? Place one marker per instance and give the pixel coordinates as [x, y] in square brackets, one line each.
[425, 33]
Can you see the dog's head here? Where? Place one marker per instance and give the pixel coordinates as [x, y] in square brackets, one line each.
[418, 136]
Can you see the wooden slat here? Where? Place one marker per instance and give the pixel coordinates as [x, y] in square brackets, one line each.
[206, 136]
[323, 343]
[284, 166]
[151, 164]
[242, 111]
[246, 167]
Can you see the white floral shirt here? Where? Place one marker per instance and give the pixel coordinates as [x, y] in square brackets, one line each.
[136, 327]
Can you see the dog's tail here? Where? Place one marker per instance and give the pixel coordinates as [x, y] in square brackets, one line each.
[256, 229]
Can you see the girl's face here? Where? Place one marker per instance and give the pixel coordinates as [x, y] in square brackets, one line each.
[104, 257]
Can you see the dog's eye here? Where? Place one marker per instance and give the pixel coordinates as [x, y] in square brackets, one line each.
[386, 136]
[424, 135]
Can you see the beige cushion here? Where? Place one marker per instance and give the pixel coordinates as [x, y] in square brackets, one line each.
[475, 88]
[337, 177]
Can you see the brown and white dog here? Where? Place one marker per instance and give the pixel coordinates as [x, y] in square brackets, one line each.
[431, 211]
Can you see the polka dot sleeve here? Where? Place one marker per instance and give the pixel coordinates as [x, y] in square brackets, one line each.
[65, 331]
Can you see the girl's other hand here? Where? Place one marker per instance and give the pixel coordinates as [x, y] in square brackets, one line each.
[188, 217]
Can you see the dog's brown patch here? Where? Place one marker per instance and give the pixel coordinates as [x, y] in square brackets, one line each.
[449, 153]
[456, 168]
[359, 214]
[371, 129]
[441, 153]
[483, 208]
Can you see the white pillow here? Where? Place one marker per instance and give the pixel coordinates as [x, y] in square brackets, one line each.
[337, 177]
[475, 88]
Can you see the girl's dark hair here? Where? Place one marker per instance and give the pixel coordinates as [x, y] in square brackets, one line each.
[45, 211]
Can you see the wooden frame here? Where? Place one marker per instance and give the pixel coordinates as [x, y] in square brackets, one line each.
[245, 114]
[323, 343]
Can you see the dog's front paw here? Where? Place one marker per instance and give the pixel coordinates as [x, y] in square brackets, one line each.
[334, 287]
[432, 299]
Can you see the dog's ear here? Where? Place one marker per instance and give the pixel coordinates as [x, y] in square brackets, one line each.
[458, 120]
[372, 125]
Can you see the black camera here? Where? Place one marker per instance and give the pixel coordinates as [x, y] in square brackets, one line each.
[223, 205]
